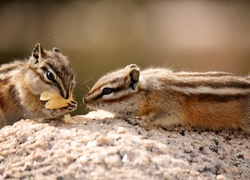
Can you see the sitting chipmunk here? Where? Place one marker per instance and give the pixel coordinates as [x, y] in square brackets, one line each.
[22, 82]
[158, 96]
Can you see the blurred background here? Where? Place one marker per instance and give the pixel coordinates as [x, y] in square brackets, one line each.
[100, 36]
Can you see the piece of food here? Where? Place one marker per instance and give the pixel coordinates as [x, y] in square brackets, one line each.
[54, 101]
[68, 119]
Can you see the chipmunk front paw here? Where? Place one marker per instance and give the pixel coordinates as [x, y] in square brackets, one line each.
[134, 121]
[61, 111]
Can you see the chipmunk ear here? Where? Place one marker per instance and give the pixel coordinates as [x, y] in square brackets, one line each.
[38, 53]
[134, 74]
[132, 66]
[55, 49]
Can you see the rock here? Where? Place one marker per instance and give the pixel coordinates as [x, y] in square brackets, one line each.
[101, 146]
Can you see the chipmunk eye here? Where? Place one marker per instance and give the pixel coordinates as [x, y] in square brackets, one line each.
[107, 91]
[50, 76]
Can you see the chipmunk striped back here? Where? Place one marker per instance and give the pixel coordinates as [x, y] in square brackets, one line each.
[158, 96]
[22, 83]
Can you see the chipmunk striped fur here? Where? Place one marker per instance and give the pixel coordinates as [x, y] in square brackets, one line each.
[23, 81]
[161, 97]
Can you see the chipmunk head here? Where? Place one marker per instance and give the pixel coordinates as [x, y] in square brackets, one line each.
[115, 89]
[51, 71]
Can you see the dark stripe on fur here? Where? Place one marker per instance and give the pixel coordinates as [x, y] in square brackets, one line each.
[217, 98]
[207, 83]
[9, 68]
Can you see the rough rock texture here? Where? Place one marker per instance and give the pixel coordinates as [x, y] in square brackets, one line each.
[108, 148]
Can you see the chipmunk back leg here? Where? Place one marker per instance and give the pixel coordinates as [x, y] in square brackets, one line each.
[246, 126]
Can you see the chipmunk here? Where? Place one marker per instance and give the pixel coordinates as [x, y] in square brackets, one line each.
[23, 81]
[161, 97]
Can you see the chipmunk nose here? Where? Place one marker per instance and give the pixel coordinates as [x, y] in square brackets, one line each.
[84, 99]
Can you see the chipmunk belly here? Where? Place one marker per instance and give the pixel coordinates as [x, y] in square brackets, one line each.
[214, 114]
[160, 111]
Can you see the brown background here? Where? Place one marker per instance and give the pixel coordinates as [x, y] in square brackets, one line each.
[100, 36]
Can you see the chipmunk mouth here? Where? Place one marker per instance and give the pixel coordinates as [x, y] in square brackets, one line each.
[92, 105]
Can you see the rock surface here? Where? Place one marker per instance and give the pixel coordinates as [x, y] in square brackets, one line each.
[102, 147]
